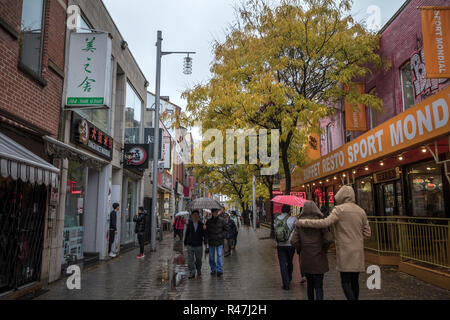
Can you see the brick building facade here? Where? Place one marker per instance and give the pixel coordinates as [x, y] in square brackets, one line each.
[32, 42]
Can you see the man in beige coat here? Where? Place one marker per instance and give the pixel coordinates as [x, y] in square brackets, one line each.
[351, 226]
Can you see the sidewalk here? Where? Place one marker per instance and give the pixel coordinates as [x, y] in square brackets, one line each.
[251, 272]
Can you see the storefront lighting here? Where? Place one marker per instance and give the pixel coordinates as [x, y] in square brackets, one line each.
[366, 168]
[381, 163]
[400, 158]
[344, 175]
[424, 150]
[335, 178]
[428, 168]
[314, 184]
[320, 182]
[328, 180]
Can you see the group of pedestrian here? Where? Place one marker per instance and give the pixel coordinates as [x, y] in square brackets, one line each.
[218, 233]
[311, 237]
[139, 229]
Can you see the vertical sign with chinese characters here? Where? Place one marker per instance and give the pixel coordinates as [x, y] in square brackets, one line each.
[89, 70]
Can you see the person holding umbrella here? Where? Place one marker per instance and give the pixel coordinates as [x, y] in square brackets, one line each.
[284, 226]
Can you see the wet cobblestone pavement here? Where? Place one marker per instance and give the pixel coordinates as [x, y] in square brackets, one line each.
[251, 272]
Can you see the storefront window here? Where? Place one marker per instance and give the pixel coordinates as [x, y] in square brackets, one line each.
[425, 182]
[407, 87]
[364, 195]
[74, 214]
[133, 111]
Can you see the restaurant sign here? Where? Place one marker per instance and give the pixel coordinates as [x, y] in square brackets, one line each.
[89, 71]
[136, 156]
[425, 121]
[88, 136]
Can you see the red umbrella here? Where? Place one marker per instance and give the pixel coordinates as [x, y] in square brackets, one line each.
[289, 200]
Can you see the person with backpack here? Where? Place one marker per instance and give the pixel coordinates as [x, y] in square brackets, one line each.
[230, 236]
[284, 226]
[351, 226]
[139, 229]
[312, 245]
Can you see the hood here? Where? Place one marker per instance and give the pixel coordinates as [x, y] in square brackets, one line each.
[344, 195]
[310, 210]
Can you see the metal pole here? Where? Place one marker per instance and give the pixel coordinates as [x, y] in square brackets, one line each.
[254, 204]
[156, 140]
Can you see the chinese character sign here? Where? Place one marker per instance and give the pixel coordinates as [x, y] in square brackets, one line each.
[89, 72]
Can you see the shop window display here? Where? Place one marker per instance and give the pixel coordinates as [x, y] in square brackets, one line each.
[364, 195]
[426, 190]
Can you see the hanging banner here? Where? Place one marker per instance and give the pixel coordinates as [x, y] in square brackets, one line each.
[313, 146]
[89, 71]
[149, 137]
[436, 41]
[355, 117]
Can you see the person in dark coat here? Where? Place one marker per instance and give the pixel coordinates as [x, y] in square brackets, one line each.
[313, 245]
[113, 228]
[230, 236]
[139, 229]
[216, 230]
[194, 238]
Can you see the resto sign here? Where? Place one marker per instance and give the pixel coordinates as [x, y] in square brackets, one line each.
[425, 121]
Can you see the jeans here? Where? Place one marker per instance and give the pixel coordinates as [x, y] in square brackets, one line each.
[350, 285]
[285, 257]
[141, 236]
[227, 246]
[314, 283]
[215, 267]
[112, 237]
[194, 255]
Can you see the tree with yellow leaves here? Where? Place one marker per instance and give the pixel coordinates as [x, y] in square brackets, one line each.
[282, 67]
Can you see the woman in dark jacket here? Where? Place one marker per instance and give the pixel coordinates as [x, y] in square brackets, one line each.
[313, 245]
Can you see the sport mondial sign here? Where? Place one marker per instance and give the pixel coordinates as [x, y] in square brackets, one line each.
[89, 71]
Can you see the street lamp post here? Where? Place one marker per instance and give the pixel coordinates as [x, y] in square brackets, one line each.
[159, 54]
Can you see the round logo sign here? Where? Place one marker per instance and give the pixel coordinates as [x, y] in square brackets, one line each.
[136, 156]
[83, 130]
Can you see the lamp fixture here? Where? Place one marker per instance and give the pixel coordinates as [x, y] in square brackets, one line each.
[381, 163]
[187, 66]
[424, 150]
[366, 168]
[400, 158]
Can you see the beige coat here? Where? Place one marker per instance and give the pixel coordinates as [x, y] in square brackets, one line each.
[350, 225]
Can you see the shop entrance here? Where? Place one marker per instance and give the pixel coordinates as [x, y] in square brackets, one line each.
[22, 220]
[389, 199]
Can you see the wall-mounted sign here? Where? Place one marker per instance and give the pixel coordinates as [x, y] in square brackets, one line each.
[149, 137]
[166, 181]
[424, 122]
[436, 40]
[88, 136]
[89, 70]
[355, 116]
[136, 156]
[166, 152]
[388, 175]
[180, 188]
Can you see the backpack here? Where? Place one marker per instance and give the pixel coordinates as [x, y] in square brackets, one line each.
[282, 231]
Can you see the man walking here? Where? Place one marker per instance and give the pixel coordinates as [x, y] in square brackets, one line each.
[113, 228]
[194, 239]
[284, 227]
[216, 229]
[237, 222]
[139, 229]
[351, 227]
[230, 236]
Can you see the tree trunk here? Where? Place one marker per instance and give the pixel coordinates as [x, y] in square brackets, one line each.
[287, 169]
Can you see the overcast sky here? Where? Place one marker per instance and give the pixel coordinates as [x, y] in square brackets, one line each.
[190, 25]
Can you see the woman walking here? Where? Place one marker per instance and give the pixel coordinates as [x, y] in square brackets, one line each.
[313, 245]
